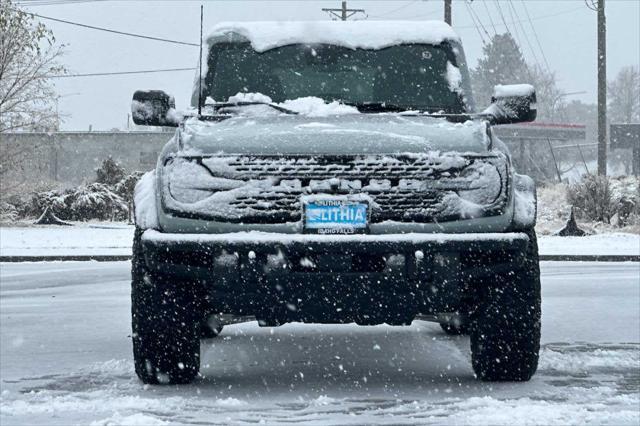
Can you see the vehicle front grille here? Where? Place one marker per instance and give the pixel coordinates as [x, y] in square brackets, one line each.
[403, 188]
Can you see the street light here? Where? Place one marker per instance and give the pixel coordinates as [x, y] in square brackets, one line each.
[560, 96]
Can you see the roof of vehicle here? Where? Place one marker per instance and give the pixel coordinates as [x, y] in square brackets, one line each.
[352, 34]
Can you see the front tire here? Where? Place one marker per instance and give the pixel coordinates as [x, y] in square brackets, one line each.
[505, 333]
[166, 341]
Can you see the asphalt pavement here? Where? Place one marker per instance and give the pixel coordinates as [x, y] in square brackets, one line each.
[65, 358]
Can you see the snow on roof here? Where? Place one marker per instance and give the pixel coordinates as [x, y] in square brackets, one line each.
[352, 34]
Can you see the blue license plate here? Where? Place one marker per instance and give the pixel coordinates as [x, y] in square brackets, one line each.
[336, 216]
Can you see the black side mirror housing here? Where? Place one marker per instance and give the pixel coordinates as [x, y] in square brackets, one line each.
[514, 103]
[154, 108]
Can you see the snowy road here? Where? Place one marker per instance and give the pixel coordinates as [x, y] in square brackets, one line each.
[65, 359]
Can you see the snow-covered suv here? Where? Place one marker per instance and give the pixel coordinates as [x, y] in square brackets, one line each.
[335, 172]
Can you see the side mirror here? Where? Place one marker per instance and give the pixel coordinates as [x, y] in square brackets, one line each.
[154, 108]
[514, 103]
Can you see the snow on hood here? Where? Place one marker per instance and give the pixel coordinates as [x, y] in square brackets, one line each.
[335, 134]
[352, 34]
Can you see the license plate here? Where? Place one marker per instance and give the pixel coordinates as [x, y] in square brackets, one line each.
[335, 216]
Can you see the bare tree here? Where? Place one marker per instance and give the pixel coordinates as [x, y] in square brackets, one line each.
[624, 96]
[549, 96]
[28, 60]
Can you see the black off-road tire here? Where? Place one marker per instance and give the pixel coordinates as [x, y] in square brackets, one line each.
[505, 331]
[166, 340]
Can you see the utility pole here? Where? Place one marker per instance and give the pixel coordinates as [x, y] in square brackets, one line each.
[447, 11]
[598, 6]
[343, 13]
[602, 90]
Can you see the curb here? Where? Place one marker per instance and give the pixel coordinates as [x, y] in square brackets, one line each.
[119, 258]
[590, 258]
[69, 258]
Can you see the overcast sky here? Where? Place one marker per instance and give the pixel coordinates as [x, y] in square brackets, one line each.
[566, 30]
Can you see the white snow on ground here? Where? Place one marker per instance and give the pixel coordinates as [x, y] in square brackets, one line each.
[353, 34]
[66, 359]
[611, 244]
[115, 239]
[82, 239]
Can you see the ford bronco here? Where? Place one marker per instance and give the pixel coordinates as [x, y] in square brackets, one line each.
[335, 172]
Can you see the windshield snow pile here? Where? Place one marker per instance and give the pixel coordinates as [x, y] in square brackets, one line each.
[309, 106]
[355, 34]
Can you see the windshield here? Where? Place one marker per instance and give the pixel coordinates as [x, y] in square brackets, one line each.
[411, 76]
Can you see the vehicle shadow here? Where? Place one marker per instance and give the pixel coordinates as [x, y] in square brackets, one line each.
[336, 359]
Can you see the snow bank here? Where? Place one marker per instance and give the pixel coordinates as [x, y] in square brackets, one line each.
[352, 34]
[138, 419]
[582, 359]
[144, 197]
[620, 244]
[81, 239]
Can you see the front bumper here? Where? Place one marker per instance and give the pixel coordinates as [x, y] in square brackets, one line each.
[322, 278]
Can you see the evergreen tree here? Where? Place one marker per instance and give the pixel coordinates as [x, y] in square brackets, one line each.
[502, 63]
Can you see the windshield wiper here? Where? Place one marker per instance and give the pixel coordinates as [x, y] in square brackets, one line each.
[218, 106]
[379, 107]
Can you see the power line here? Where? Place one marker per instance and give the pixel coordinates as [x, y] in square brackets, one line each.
[477, 18]
[343, 13]
[475, 24]
[535, 34]
[515, 27]
[51, 2]
[497, 3]
[535, 18]
[397, 9]
[484, 2]
[107, 29]
[100, 74]
[524, 33]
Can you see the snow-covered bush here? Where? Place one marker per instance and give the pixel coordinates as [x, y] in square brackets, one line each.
[97, 201]
[109, 172]
[55, 199]
[627, 193]
[600, 198]
[126, 185]
[8, 212]
[593, 198]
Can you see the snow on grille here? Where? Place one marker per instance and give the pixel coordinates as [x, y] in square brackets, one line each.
[268, 189]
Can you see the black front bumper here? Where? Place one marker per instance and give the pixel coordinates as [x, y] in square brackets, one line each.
[318, 278]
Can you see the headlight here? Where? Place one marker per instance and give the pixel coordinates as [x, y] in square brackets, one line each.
[189, 182]
[485, 183]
